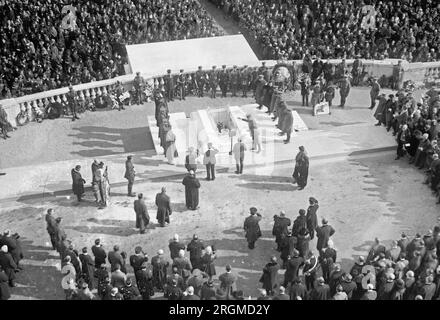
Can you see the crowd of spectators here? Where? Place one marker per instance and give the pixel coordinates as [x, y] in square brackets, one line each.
[402, 29]
[38, 54]
[406, 269]
[416, 126]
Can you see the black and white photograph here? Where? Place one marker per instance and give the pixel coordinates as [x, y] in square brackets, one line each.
[219, 150]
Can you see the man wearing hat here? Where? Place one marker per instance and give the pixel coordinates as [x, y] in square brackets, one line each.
[173, 292]
[209, 161]
[87, 268]
[280, 228]
[348, 286]
[422, 151]
[163, 204]
[374, 92]
[252, 228]
[160, 266]
[169, 86]
[213, 81]
[269, 277]
[72, 102]
[312, 217]
[130, 174]
[287, 244]
[195, 248]
[390, 109]
[344, 89]
[192, 186]
[323, 234]
[181, 83]
[235, 80]
[223, 81]
[138, 84]
[259, 90]
[77, 183]
[99, 253]
[380, 113]
[200, 81]
[293, 265]
[142, 216]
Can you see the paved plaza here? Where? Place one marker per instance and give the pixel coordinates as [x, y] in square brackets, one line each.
[362, 190]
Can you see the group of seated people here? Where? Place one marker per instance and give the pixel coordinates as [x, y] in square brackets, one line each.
[45, 47]
[399, 29]
[416, 126]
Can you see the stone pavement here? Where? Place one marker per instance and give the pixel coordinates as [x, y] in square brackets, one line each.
[43, 179]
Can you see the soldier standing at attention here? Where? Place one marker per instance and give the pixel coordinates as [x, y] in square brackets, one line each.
[169, 86]
[344, 89]
[223, 81]
[71, 99]
[245, 81]
[200, 81]
[138, 84]
[213, 81]
[129, 175]
[181, 81]
[234, 80]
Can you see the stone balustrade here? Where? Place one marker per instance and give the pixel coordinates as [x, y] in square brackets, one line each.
[422, 74]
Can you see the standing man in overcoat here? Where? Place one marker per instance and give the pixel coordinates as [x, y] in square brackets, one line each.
[252, 228]
[142, 217]
[209, 161]
[280, 228]
[374, 92]
[77, 182]
[311, 216]
[130, 175]
[344, 90]
[324, 233]
[163, 207]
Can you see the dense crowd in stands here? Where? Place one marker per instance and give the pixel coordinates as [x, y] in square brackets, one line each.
[407, 269]
[333, 29]
[36, 54]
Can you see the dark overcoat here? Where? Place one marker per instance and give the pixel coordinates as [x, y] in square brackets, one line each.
[163, 208]
[252, 228]
[77, 183]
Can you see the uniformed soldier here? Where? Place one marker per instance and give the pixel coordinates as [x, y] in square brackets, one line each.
[223, 81]
[213, 81]
[234, 80]
[181, 82]
[138, 84]
[245, 80]
[119, 90]
[71, 100]
[344, 89]
[329, 93]
[200, 81]
[356, 71]
[305, 90]
[169, 86]
[254, 81]
[263, 70]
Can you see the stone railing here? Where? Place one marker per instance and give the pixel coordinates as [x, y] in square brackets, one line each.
[421, 73]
